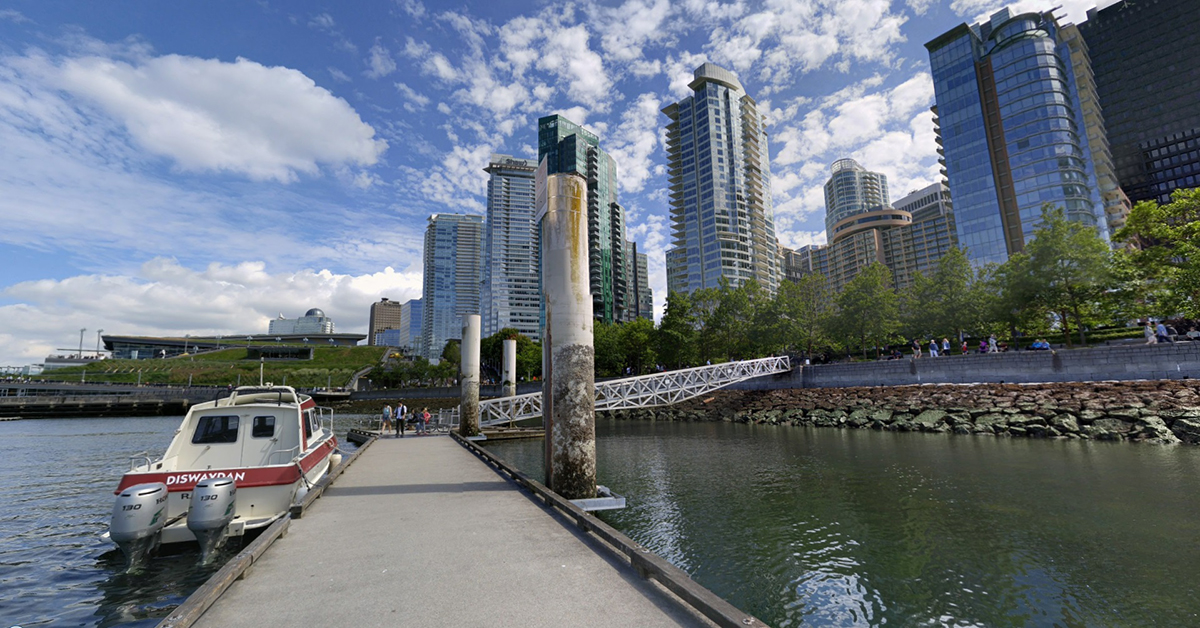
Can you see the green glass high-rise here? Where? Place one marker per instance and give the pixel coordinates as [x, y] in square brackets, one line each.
[569, 148]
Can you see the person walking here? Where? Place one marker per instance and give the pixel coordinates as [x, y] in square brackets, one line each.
[992, 348]
[1148, 332]
[401, 417]
[1160, 332]
[965, 348]
[423, 422]
[916, 348]
[385, 425]
[945, 346]
[933, 348]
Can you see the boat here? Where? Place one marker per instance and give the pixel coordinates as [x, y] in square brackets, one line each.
[235, 465]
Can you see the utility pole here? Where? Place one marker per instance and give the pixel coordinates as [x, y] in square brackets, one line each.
[81, 330]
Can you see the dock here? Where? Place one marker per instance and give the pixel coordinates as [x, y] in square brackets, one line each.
[421, 531]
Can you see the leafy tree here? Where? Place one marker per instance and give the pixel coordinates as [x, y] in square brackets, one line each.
[609, 354]
[728, 328]
[529, 353]
[452, 353]
[638, 348]
[799, 316]
[676, 334]
[1166, 253]
[867, 308]
[1070, 268]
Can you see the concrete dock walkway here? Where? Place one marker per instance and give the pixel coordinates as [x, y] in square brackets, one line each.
[420, 532]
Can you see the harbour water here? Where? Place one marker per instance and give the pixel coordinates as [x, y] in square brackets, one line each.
[825, 527]
[813, 527]
[56, 496]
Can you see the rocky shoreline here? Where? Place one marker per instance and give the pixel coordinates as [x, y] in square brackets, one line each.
[1162, 412]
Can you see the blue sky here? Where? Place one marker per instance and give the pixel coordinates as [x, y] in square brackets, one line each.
[199, 168]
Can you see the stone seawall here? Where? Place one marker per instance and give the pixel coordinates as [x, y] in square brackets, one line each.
[1180, 360]
[1164, 412]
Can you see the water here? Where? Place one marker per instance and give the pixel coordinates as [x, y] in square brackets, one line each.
[56, 493]
[824, 527]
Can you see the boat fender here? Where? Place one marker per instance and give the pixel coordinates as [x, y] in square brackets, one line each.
[334, 460]
[139, 515]
[300, 493]
[212, 508]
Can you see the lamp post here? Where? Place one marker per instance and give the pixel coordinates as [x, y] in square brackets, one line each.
[98, 332]
[81, 330]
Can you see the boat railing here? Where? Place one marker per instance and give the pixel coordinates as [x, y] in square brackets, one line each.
[325, 417]
[133, 462]
[292, 454]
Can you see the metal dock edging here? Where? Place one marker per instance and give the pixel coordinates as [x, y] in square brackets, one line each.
[646, 563]
[238, 567]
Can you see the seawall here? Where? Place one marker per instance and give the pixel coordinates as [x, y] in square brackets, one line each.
[1164, 412]
[1124, 362]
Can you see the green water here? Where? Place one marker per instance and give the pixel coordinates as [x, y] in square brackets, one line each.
[827, 527]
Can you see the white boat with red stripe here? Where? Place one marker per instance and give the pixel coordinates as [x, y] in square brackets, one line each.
[246, 458]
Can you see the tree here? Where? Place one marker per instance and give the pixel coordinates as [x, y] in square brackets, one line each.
[799, 316]
[1070, 267]
[637, 345]
[1166, 253]
[606, 338]
[867, 308]
[962, 293]
[529, 353]
[675, 338]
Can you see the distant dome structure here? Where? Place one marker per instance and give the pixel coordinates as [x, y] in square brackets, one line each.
[315, 312]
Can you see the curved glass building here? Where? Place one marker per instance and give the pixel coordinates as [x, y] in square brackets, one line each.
[852, 190]
[1012, 131]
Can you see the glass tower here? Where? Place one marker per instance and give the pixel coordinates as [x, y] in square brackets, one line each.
[1011, 131]
[1144, 58]
[511, 293]
[722, 222]
[852, 190]
[567, 147]
[453, 244]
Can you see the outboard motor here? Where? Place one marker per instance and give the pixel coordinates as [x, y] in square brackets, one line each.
[212, 509]
[138, 517]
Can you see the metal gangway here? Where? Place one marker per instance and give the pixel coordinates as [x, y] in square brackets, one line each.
[643, 391]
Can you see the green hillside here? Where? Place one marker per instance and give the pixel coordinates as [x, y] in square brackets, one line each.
[330, 366]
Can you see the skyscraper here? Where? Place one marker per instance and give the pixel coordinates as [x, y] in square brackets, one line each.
[1144, 57]
[511, 294]
[722, 222]
[567, 147]
[863, 227]
[453, 244]
[1011, 129]
[641, 297]
[385, 314]
[1116, 203]
[411, 316]
[850, 190]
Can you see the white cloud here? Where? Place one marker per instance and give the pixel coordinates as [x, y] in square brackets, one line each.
[888, 130]
[624, 30]
[568, 56]
[338, 75]
[165, 298]
[208, 115]
[634, 142]
[12, 15]
[417, 100]
[413, 8]
[981, 10]
[379, 63]
[322, 21]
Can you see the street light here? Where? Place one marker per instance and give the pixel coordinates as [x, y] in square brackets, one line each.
[98, 332]
[81, 330]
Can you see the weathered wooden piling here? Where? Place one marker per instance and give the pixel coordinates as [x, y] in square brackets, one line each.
[568, 355]
[468, 410]
[510, 368]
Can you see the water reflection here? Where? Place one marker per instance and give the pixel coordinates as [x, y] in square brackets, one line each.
[823, 527]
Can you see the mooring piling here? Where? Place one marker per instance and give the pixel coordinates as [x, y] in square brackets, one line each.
[468, 411]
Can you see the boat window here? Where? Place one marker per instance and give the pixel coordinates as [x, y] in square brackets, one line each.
[264, 427]
[216, 429]
[307, 424]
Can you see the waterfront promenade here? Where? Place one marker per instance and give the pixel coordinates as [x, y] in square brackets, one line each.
[420, 532]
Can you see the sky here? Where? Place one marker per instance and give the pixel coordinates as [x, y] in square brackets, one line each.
[201, 167]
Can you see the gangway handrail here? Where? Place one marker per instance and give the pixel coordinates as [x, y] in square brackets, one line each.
[641, 391]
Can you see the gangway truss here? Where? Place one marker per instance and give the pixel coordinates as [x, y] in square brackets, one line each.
[642, 391]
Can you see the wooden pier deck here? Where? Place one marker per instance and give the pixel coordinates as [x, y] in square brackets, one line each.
[420, 532]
